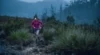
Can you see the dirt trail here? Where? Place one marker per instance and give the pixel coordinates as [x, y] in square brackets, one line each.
[33, 49]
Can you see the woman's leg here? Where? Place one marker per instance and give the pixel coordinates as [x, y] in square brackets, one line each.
[38, 31]
[34, 31]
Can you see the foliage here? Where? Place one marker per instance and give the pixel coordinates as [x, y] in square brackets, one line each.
[12, 25]
[76, 39]
[53, 13]
[35, 16]
[48, 34]
[97, 22]
[20, 36]
[44, 16]
[70, 20]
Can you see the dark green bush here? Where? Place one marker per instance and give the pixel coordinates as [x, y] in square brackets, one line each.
[12, 25]
[48, 34]
[20, 36]
[76, 39]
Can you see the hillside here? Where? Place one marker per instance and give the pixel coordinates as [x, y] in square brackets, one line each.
[4, 19]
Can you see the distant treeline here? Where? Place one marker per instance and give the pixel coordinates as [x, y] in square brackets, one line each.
[4, 19]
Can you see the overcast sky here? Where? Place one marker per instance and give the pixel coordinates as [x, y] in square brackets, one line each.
[28, 8]
[34, 1]
[31, 1]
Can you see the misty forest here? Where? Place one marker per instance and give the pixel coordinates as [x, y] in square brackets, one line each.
[72, 30]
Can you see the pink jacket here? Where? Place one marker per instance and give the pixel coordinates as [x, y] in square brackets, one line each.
[37, 24]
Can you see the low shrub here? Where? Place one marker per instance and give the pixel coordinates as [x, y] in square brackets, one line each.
[75, 40]
[12, 25]
[48, 34]
[20, 36]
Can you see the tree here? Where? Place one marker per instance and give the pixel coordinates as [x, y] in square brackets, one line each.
[70, 19]
[35, 16]
[44, 16]
[61, 10]
[97, 22]
[52, 11]
[52, 18]
[92, 2]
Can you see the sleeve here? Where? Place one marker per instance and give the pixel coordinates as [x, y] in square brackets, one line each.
[32, 24]
[41, 24]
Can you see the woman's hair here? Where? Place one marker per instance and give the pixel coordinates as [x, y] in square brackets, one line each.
[36, 17]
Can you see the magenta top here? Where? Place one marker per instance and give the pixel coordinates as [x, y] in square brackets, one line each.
[37, 24]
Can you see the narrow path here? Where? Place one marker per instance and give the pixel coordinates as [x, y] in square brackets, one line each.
[34, 49]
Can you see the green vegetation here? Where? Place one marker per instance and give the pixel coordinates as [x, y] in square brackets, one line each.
[76, 40]
[63, 36]
[20, 36]
[70, 20]
[12, 25]
[48, 34]
[9, 24]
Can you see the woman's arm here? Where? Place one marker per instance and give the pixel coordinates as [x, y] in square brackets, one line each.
[32, 24]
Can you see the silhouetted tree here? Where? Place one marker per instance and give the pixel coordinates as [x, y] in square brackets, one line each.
[52, 18]
[97, 22]
[52, 11]
[70, 19]
[44, 16]
[92, 2]
[61, 11]
[35, 16]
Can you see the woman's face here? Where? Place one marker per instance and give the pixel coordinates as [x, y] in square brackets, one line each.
[35, 18]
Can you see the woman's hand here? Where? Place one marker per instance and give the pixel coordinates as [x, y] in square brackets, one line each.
[34, 27]
[40, 27]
